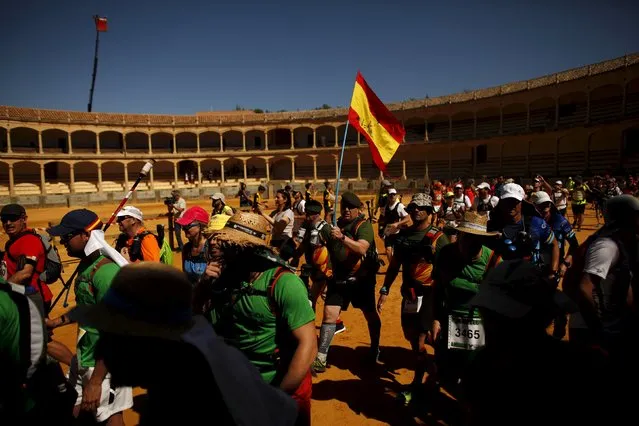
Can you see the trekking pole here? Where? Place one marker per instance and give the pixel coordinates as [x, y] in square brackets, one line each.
[370, 216]
[145, 171]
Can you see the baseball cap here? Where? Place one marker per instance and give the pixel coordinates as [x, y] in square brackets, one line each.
[12, 210]
[192, 214]
[449, 194]
[512, 190]
[392, 191]
[421, 200]
[76, 220]
[459, 185]
[131, 211]
[558, 182]
[483, 185]
[540, 197]
[218, 196]
[386, 183]
[516, 288]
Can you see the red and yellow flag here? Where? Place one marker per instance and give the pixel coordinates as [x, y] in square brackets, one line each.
[100, 24]
[372, 119]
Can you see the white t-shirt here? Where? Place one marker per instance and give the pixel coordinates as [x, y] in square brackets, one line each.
[288, 230]
[490, 199]
[181, 203]
[300, 207]
[560, 198]
[463, 200]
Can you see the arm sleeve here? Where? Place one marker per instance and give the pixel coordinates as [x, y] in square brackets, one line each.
[291, 298]
[150, 249]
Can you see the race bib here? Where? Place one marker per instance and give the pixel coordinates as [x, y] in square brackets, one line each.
[412, 306]
[465, 333]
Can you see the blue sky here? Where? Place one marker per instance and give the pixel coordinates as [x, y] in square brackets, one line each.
[188, 56]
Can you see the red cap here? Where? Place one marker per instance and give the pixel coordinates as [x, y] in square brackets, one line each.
[193, 214]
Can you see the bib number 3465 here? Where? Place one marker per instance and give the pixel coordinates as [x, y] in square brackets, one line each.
[465, 333]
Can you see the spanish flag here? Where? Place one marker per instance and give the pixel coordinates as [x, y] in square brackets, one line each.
[372, 119]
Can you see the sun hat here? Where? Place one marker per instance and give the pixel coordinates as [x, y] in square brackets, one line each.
[476, 224]
[218, 196]
[512, 190]
[540, 197]
[421, 200]
[483, 185]
[244, 229]
[516, 288]
[147, 299]
[76, 220]
[193, 214]
[132, 211]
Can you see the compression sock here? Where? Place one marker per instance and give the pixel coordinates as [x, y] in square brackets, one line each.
[326, 337]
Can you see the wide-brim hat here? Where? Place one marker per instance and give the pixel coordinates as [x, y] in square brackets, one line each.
[147, 299]
[244, 229]
[476, 224]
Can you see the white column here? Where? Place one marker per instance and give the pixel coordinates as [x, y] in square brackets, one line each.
[99, 177]
[314, 138]
[292, 139]
[72, 178]
[151, 180]
[268, 172]
[359, 164]
[43, 183]
[126, 176]
[11, 182]
[292, 169]
[97, 143]
[245, 171]
[265, 141]
[9, 141]
[336, 138]
[174, 143]
[404, 169]
[197, 138]
[40, 147]
[222, 170]
[336, 166]
[123, 143]
[221, 142]
[243, 141]
[175, 174]
[314, 166]
[70, 142]
[199, 167]
[150, 144]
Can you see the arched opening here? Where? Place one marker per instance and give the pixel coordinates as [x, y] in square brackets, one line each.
[351, 137]
[487, 123]
[542, 115]
[84, 141]
[232, 140]
[209, 142]
[280, 168]
[137, 142]
[326, 169]
[163, 175]
[111, 142]
[630, 147]
[255, 140]
[573, 109]
[369, 169]
[187, 172]
[132, 169]
[57, 177]
[113, 176]
[24, 139]
[415, 130]
[349, 165]
[304, 168]
[438, 128]
[186, 142]
[571, 151]
[437, 158]
[462, 161]
[303, 137]
[86, 177]
[606, 103]
[415, 162]
[4, 147]
[514, 119]
[632, 98]
[325, 136]
[255, 169]
[463, 124]
[514, 158]
[279, 139]
[234, 170]
[210, 171]
[55, 140]
[26, 178]
[603, 151]
[162, 142]
[542, 156]
[4, 184]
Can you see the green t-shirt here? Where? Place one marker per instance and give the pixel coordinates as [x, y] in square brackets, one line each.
[249, 324]
[345, 261]
[415, 251]
[89, 292]
[459, 279]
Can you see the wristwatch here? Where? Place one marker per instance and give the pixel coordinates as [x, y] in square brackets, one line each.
[384, 291]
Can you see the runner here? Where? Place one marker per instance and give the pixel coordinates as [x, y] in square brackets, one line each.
[218, 202]
[578, 200]
[484, 202]
[195, 252]
[135, 243]
[394, 212]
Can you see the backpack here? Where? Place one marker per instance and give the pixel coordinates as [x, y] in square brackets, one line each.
[135, 252]
[52, 262]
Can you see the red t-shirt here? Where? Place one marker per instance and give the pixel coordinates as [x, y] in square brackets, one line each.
[30, 246]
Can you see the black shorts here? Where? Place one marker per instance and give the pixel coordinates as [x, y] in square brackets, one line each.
[578, 208]
[413, 324]
[389, 241]
[360, 293]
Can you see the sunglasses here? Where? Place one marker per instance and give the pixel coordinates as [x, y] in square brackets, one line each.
[122, 219]
[187, 227]
[10, 218]
[64, 239]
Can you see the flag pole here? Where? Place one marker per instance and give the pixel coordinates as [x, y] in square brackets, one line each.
[339, 175]
[95, 65]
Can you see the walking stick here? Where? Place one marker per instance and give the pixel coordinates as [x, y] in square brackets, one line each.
[370, 216]
[67, 286]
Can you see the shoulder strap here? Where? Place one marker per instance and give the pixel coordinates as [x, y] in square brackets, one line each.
[356, 228]
[492, 261]
[271, 289]
[98, 265]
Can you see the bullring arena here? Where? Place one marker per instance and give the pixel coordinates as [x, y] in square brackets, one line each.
[581, 121]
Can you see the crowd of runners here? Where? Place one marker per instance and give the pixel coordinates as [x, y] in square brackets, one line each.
[486, 269]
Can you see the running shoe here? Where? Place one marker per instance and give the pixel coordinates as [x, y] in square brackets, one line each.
[340, 327]
[318, 367]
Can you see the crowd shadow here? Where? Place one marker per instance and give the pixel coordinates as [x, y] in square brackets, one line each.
[374, 392]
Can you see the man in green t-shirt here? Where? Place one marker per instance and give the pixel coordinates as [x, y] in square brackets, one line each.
[95, 273]
[261, 307]
[416, 248]
[354, 258]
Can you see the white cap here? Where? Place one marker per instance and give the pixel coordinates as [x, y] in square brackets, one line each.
[459, 185]
[131, 211]
[559, 182]
[218, 196]
[512, 190]
[392, 191]
[540, 197]
[483, 185]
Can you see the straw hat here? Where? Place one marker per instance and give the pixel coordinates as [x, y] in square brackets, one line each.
[244, 229]
[476, 224]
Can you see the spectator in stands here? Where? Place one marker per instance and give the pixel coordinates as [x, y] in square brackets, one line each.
[177, 208]
[135, 243]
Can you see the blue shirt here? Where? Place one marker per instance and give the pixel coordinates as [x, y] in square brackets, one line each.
[562, 230]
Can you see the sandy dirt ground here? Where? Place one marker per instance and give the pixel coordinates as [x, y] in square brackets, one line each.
[349, 392]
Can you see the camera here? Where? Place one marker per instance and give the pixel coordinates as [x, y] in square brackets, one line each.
[169, 201]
